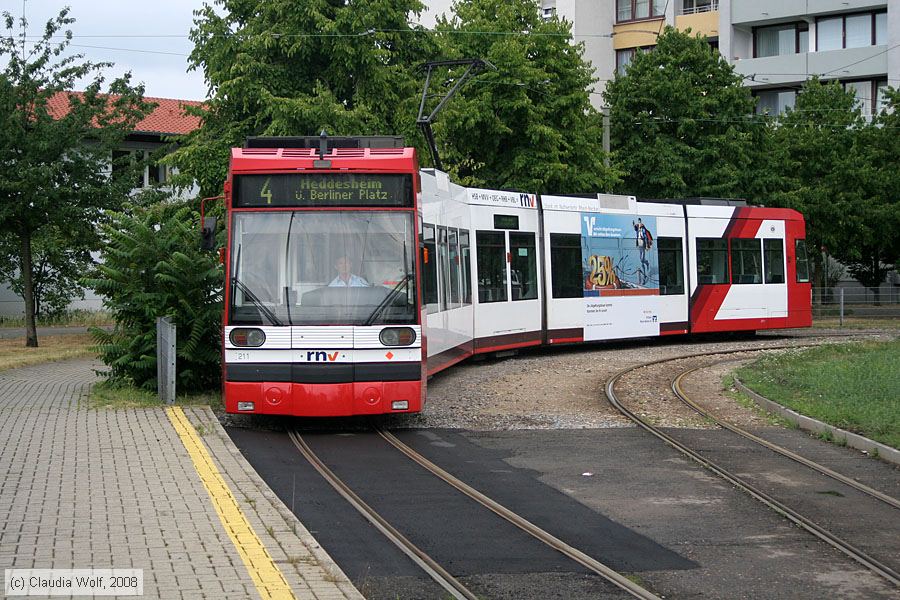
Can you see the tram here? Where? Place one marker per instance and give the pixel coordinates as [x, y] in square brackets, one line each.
[352, 275]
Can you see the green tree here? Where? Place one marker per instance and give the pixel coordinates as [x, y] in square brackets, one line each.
[682, 124]
[874, 249]
[529, 124]
[279, 67]
[58, 264]
[152, 266]
[54, 179]
[823, 169]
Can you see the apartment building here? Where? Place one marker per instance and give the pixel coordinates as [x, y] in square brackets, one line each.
[775, 44]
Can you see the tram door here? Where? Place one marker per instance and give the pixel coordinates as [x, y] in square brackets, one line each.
[507, 274]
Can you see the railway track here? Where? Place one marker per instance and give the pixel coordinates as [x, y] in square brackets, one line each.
[819, 468]
[431, 567]
[844, 546]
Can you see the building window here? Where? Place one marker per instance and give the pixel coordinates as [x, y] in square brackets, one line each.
[159, 173]
[429, 271]
[880, 88]
[774, 102]
[779, 40]
[802, 262]
[491, 250]
[851, 31]
[830, 34]
[690, 7]
[774, 258]
[130, 160]
[671, 269]
[146, 171]
[869, 95]
[524, 266]
[712, 260]
[465, 266]
[624, 57]
[880, 28]
[863, 92]
[635, 10]
[565, 265]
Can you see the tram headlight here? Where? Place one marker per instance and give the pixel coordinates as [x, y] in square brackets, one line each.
[397, 336]
[248, 337]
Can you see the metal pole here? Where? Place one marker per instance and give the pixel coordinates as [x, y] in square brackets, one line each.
[842, 306]
[165, 359]
[605, 111]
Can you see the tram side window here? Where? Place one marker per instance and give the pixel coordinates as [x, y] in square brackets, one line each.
[453, 265]
[671, 266]
[443, 260]
[802, 262]
[565, 265]
[491, 247]
[773, 251]
[429, 273]
[524, 266]
[746, 261]
[712, 260]
[465, 256]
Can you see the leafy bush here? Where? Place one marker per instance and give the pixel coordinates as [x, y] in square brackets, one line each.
[152, 266]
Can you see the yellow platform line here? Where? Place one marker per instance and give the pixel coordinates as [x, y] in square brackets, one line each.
[267, 577]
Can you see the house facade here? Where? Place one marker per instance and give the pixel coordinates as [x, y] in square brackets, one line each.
[150, 135]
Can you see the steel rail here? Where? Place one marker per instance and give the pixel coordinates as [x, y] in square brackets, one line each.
[823, 534]
[822, 469]
[419, 557]
[525, 525]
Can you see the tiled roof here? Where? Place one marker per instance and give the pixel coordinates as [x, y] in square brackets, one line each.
[167, 117]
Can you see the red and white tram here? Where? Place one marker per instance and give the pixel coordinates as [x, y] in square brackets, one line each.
[352, 275]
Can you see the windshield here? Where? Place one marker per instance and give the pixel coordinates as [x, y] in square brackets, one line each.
[322, 268]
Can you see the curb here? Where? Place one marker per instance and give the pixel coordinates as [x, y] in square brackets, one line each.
[335, 575]
[854, 440]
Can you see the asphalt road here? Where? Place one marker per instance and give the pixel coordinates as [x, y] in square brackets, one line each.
[616, 494]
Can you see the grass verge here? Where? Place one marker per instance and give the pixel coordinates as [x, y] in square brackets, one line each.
[73, 318]
[747, 402]
[14, 354]
[851, 386]
[109, 394]
[856, 323]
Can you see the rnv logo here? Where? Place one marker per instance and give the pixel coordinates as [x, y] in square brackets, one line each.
[320, 356]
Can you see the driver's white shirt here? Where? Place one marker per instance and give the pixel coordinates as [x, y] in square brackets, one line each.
[353, 281]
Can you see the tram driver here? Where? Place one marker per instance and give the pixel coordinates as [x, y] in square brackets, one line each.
[344, 277]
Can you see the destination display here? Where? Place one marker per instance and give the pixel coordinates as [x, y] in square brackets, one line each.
[322, 189]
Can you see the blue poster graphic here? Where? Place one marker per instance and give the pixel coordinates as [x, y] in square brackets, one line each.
[619, 255]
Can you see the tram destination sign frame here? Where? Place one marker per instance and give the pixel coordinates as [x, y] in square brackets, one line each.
[275, 190]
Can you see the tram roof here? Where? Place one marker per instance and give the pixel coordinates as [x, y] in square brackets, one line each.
[401, 159]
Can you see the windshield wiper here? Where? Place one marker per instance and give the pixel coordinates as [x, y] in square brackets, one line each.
[387, 300]
[248, 293]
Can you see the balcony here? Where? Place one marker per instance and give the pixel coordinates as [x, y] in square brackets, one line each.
[850, 63]
[760, 12]
[774, 70]
[692, 7]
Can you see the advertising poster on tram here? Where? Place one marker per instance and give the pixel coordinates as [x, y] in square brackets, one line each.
[620, 273]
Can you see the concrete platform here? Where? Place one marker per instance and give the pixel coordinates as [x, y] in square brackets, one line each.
[160, 490]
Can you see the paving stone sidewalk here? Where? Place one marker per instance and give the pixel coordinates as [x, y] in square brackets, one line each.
[116, 488]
